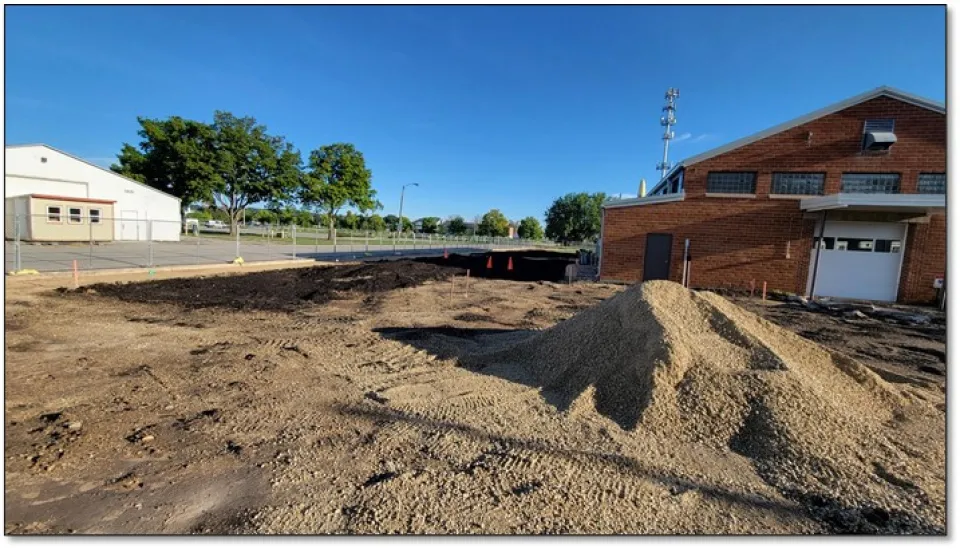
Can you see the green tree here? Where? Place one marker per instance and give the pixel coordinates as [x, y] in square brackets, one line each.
[575, 217]
[174, 155]
[351, 221]
[493, 223]
[407, 225]
[265, 216]
[456, 225]
[375, 223]
[530, 229]
[430, 225]
[391, 222]
[303, 218]
[337, 176]
[252, 165]
[200, 216]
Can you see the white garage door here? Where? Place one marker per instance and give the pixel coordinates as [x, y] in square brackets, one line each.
[859, 260]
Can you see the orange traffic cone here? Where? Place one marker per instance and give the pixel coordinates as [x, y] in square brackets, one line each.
[510, 263]
[490, 262]
[445, 255]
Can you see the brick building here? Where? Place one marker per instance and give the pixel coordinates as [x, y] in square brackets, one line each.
[865, 178]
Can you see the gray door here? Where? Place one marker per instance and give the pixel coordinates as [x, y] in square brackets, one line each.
[656, 256]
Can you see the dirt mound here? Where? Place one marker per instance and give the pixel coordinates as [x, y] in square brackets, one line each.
[279, 290]
[693, 368]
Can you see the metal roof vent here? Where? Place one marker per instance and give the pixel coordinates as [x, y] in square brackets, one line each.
[878, 135]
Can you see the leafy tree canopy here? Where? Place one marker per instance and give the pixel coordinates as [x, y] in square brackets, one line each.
[430, 225]
[530, 229]
[575, 217]
[493, 223]
[456, 225]
[336, 177]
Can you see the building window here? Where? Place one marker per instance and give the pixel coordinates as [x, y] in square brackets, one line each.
[932, 183]
[75, 215]
[887, 246]
[732, 182]
[875, 183]
[94, 216]
[797, 183]
[826, 244]
[53, 214]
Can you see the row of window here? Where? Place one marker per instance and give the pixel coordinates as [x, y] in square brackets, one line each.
[858, 244]
[813, 183]
[74, 215]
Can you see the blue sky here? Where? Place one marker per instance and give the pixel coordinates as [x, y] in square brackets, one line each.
[484, 107]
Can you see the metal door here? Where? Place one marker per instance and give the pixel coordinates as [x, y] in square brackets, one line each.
[656, 256]
[129, 225]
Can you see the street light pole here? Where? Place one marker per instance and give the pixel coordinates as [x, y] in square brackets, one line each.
[400, 221]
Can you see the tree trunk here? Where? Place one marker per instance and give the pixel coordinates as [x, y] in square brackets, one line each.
[331, 219]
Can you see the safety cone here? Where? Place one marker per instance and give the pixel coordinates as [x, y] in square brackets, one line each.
[445, 254]
[510, 263]
[490, 262]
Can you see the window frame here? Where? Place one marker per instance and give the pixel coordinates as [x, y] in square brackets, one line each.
[775, 192]
[713, 192]
[95, 220]
[898, 175]
[70, 215]
[59, 214]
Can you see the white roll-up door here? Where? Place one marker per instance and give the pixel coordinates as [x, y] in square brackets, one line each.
[859, 260]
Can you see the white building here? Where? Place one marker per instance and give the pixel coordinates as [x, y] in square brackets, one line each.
[140, 212]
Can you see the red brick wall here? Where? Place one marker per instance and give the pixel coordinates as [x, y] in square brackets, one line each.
[925, 258]
[734, 240]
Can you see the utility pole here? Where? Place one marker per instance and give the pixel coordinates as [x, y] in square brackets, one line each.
[668, 120]
[400, 221]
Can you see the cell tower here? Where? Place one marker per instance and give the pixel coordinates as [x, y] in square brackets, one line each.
[668, 120]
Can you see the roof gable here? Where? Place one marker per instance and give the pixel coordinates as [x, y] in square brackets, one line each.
[883, 91]
[77, 158]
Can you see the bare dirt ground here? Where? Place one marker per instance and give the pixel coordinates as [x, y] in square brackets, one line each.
[898, 352]
[210, 406]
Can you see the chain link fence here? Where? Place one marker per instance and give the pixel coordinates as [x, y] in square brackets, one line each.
[63, 241]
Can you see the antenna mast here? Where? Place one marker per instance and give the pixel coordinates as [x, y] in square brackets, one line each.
[668, 120]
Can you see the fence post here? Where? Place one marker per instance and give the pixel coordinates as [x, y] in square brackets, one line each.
[334, 239]
[90, 251]
[149, 242]
[196, 233]
[16, 243]
[366, 241]
[316, 240]
[238, 243]
[293, 231]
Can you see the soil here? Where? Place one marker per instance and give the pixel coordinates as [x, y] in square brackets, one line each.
[898, 352]
[233, 405]
[287, 290]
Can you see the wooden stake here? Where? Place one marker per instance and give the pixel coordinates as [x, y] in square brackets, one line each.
[452, 281]
[76, 275]
[467, 292]
[753, 286]
[764, 290]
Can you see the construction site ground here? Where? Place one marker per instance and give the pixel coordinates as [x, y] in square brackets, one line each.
[331, 400]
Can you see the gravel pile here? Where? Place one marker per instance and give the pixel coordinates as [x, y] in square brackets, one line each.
[861, 454]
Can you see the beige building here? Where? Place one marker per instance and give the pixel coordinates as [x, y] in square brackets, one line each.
[52, 218]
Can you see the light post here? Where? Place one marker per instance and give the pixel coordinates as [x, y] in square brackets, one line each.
[400, 221]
